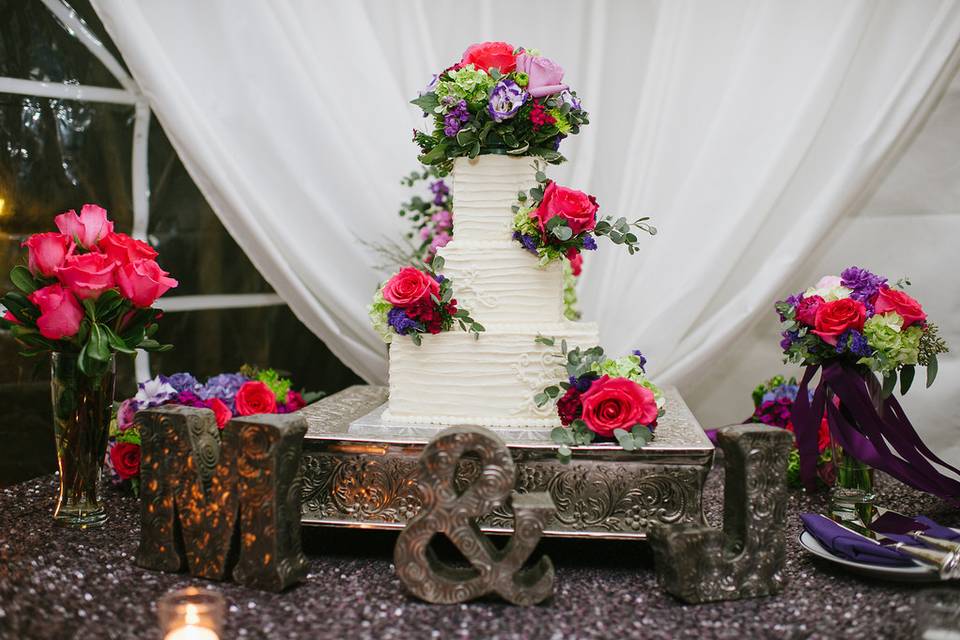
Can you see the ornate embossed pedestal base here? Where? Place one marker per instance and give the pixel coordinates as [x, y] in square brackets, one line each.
[745, 560]
[368, 481]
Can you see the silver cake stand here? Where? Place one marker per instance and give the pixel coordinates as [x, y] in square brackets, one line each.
[360, 472]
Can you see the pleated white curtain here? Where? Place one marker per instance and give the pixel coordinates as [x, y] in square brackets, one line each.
[747, 129]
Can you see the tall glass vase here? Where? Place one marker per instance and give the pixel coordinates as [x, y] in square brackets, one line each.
[82, 408]
[853, 495]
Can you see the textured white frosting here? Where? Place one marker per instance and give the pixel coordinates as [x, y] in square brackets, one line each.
[454, 378]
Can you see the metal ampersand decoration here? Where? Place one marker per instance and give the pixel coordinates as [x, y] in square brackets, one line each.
[745, 560]
[199, 486]
[454, 512]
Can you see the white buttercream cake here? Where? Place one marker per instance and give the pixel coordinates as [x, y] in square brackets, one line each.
[457, 378]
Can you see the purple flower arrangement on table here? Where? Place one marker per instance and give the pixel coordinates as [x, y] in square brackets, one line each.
[248, 392]
[497, 99]
[855, 326]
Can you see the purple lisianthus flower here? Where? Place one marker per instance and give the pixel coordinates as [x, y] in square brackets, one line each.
[401, 322]
[453, 121]
[589, 243]
[570, 99]
[643, 360]
[505, 100]
[430, 87]
[154, 393]
[183, 382]
[224, 387]
[864, 284]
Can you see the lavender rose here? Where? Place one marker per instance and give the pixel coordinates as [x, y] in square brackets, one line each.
[545, 77]
[506, 100]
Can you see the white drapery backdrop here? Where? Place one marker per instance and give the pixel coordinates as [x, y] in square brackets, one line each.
[746, 129]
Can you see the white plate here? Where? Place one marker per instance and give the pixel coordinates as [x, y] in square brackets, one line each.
[915, 573]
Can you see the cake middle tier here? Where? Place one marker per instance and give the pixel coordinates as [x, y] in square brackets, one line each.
[502, 283]
[456, 378]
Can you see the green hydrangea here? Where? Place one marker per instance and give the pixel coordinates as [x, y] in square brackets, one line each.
[629, 367]
[523, 223]
[279, 386]
[893, 345]
[468, 83]
[378, 310]
[131, 435]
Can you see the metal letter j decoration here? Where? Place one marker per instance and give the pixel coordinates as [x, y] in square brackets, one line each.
[198, 486]
[453, 513]
[701, 564]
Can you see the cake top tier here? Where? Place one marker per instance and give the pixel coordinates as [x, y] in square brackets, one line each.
[498, 98]
[484, 192]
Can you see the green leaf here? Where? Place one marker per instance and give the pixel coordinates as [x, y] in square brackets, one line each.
[540, 176]
[91, 306]
[108, 302]
[564, 454]
[478, 327]
[475, 150]
[552, 391]
[428, 101]
[562, 232]
[545, 340]
[561, 435]
[541, 399]
[437, 263]
[115, 342]
[98, 345]
[932, 369]
[889, 382]
[22, 279]
[417, 340]
[906, 378]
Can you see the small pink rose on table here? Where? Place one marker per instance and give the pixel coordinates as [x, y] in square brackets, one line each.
[60, 313]
[87, 275]
[143, 281]
[123, 249]
[577, 209]
[87, 228]
[46, 252]
[617, 403]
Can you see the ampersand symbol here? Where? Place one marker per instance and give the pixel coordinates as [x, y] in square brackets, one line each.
[449, 511]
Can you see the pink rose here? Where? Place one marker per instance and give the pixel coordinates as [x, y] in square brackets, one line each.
[807, 310]
[87, 275]
[544, 75]
[576, 207]
[143, 281]
[899, 302]
[220, 411]
[122, 249]
[833, 318]
[60, 313]
[617, 403]
[46, 252]
[410, 286]
[486, 55]
[87, 228]
[255, 397]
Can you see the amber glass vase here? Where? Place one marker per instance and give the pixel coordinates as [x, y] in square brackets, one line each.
[82, 407]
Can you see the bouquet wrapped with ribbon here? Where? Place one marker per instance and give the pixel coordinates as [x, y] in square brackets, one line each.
[856, 327]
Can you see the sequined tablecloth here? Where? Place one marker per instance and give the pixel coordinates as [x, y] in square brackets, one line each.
[57, 583]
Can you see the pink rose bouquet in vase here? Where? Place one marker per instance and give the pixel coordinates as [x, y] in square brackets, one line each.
[602, 398]
[497, 99]
[556, 223]
[417, 301]
[856, 327]
[85, 294]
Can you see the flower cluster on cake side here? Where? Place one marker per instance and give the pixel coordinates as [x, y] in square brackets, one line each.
[858, 318]
[555, 222]
[247, 392]
[602, 397]
[498, 99]
[86, 289]
[417, 300]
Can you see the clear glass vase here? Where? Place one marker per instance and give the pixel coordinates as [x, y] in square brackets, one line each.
[853, 495]
[82, 407]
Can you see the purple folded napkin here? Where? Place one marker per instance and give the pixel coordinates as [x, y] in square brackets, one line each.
[895, 525]
[846, 544]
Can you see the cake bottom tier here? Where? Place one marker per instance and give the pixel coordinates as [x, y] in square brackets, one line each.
[454, 378]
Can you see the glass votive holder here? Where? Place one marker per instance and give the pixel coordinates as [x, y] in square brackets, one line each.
[191, 614]
[937, 613]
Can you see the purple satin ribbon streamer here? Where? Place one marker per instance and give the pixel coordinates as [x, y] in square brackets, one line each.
[866, 437]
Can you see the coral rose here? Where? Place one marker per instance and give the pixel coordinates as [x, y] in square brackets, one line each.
[143, 281]
[255, 397]
[122, 249]
[125, 457]
[486, 55]
[410, 286]
[900, 303]
[46, 252]
[617, 403]
[578, 209]
[60, 313]
[86, 229]
[87, 275]
[833, 318]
